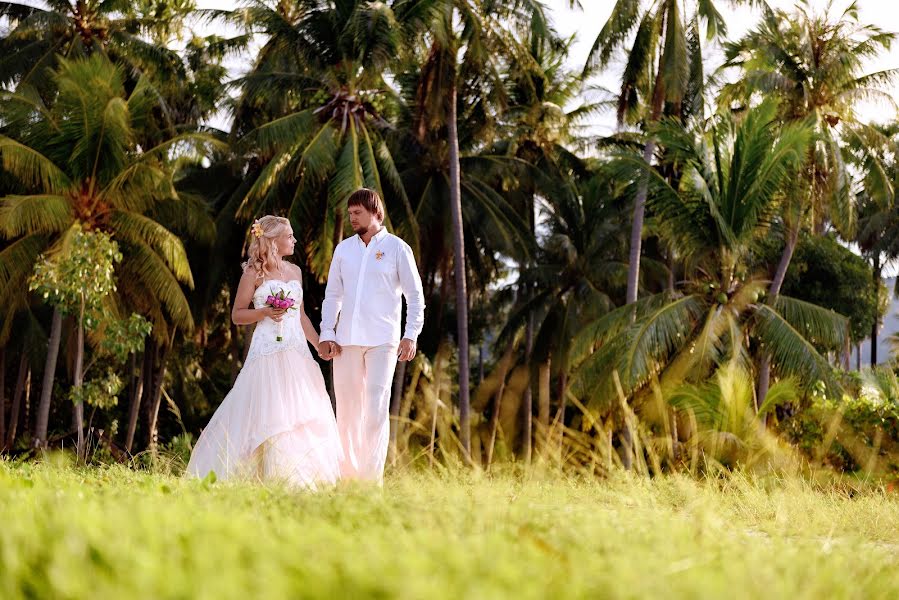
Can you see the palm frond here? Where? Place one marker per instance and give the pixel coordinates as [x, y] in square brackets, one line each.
[32, 168]
[147, 270]
[822, 327]
[139, 230]
[613, 33]
[27, 215]
[791, 352]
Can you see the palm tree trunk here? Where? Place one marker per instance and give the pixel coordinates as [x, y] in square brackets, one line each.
[847, 351]
[459, 272]
[559, 423]
[504, 364]
[858, 356]
[162, 354]
[494, 418]
[26, 415]
[562, 392]
[23, 374]
[776, 284]
[636, 243]
[480, 364]
[396, 397]
[781, 273]
[43, 414]
[150, 360]
[136, 392]
[669, 256]
[877, 275]
[543, 404]
[527, 400]
[79, 380]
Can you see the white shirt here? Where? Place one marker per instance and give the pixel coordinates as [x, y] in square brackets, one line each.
[362, 305]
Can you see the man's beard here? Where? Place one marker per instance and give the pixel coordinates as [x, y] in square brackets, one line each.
[360, 230]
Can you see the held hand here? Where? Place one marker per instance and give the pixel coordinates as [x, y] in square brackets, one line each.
[275, 314]
[406, 350]
[328, 350]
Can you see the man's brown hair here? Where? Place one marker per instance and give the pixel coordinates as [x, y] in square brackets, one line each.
[369, 200]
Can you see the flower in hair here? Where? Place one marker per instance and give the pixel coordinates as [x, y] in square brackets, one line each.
[257, 229]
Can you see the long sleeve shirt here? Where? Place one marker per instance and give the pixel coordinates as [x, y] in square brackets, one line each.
[362, 305]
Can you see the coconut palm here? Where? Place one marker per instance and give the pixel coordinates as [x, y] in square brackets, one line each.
[663, 72]
[310, 114]
[814, 64]
[39, 35]
[723, 407]
[466, 45]
[877, 234]
[727, 196]
[578, 276]
[79, 162]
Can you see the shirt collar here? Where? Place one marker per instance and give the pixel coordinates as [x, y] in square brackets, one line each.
[378, 237]
[381, 234]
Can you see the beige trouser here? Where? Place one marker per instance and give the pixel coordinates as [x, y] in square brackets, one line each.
[363, 376]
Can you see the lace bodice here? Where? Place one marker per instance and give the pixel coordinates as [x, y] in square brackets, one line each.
[267, 331]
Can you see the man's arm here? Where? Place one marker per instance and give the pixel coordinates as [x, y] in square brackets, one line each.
[410, 283]
[333, 301]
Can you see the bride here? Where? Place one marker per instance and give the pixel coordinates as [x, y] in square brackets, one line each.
[277, 422]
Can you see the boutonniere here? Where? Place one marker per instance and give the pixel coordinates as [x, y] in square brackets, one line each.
[379, 255]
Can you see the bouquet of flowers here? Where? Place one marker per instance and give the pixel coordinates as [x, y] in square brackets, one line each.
[282, 300]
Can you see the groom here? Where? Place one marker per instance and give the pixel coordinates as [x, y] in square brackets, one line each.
[360, 330]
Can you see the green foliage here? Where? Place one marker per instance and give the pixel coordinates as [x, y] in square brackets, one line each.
[100, 392]
[814, 64]
[122, 337]
[80, 275]
[826, 273]
[858, 431]
[84, 160]
[724, 410]
[731, 176]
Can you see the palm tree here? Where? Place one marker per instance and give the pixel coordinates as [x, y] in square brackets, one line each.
[577, 277]
[726, 415]
[310, 114]
[464, 42]
[727, 196]
[663, 67]
[79, 160]
[539, 134]
[39, 36]
[814, 65]
[877, 234]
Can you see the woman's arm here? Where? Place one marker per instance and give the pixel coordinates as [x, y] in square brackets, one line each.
[241, 314]
[308, 327]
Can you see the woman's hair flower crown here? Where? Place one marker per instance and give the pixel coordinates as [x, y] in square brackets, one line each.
[257, 229]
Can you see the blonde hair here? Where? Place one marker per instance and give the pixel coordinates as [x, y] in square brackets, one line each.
[262, 254]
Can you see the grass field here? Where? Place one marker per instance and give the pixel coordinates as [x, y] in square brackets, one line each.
[119, 533]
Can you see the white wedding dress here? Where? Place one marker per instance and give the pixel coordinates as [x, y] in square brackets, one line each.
[277, 422]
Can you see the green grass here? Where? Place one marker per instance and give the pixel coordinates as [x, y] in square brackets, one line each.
[118, 533]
